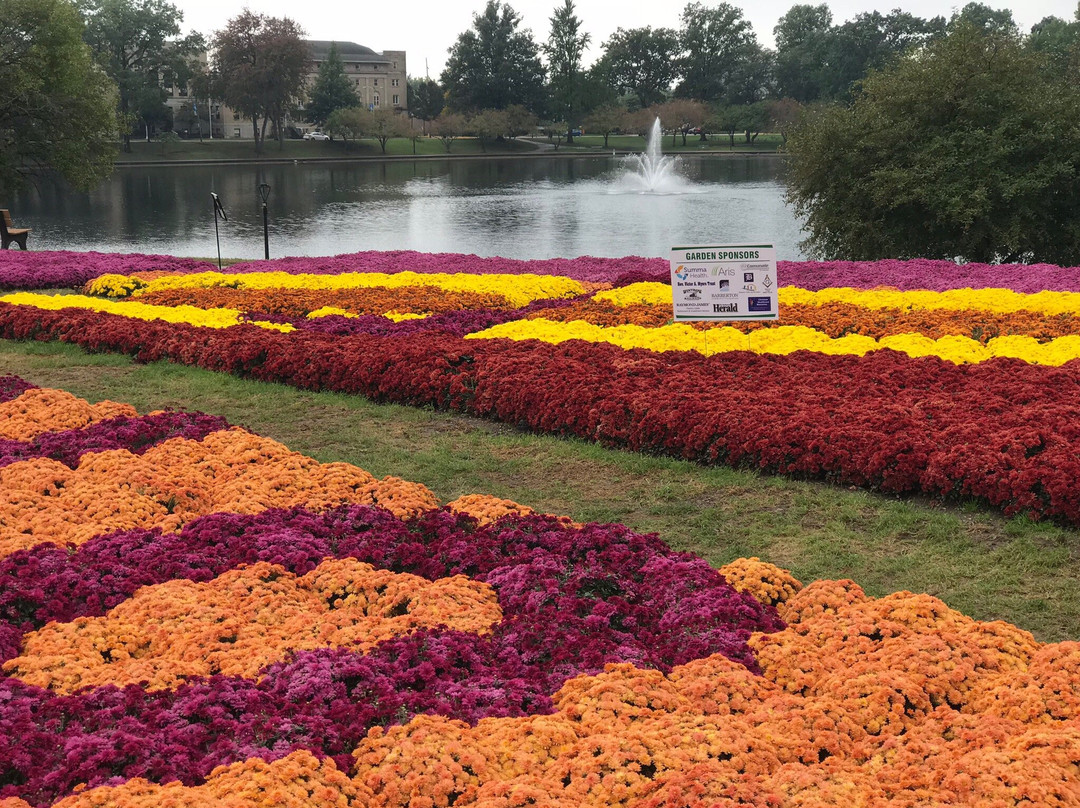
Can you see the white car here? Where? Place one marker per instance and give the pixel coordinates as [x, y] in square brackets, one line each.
[316, 136]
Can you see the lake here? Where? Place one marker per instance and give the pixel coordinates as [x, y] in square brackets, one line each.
[535, 207]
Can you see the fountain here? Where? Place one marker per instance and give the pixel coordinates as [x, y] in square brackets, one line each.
[651, 172]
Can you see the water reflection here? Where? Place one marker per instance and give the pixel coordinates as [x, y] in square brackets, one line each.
[521, 208]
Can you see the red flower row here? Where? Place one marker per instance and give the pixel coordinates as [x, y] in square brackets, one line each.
[1003, 431]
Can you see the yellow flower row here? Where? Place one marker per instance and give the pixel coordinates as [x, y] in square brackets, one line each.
[785, 340]
[396, 316]
[1001, 301]
[209, 318]
[518, 289]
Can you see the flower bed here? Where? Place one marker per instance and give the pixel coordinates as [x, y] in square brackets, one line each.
[347, 655]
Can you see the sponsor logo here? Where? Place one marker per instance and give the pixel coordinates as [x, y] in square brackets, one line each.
[692, 294]
[767, 282]
[725, 308]
[723, 295]
[749, 287]
[684, 272]
[759, 303]
[724, 284]
[726, 271]
[748, 277]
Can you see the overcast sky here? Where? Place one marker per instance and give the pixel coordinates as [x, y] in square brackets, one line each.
[426, 29]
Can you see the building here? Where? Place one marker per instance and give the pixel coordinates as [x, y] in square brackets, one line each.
[380, 80]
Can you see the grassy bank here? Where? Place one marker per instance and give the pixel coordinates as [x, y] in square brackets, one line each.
[978, 562]
[236, 149]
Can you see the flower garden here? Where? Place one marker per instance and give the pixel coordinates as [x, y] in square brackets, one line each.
[192, 614]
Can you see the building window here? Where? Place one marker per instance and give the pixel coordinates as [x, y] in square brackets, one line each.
[376, 82]
[397, 100]
[376, 99]
[393, 82]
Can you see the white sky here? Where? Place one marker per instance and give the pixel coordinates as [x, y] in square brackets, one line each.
[426, 29]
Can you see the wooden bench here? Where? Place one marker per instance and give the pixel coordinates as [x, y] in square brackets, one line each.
[8, 233]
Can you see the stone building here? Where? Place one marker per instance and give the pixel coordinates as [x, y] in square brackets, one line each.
[380, 81]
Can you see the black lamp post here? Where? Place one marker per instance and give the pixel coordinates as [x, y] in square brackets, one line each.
[264, 192]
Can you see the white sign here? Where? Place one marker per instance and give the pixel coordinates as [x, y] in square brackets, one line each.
[724, 282]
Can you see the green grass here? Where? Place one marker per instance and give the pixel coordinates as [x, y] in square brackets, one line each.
[236, 149]
[977, 561]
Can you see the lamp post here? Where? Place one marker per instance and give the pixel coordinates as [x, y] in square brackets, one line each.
[264, 192]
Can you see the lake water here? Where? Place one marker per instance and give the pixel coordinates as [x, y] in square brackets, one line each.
[517, 208]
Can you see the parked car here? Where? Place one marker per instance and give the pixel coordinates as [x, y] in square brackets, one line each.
[316, 136]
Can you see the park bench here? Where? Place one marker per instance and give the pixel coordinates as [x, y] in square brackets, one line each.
[8, 233]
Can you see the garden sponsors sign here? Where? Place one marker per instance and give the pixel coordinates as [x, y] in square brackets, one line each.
[725, 282]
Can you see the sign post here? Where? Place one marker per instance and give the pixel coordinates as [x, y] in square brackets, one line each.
[724, 282]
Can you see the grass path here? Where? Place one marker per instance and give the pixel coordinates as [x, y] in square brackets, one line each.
[986, 566]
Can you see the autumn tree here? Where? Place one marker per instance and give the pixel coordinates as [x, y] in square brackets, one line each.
[262, 62]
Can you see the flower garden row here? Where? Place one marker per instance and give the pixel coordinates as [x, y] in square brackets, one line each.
[341, 652]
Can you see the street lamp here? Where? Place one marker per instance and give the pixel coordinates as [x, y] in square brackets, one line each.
[264, 192]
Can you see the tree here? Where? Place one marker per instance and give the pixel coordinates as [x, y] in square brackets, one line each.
[494, 65]
[802, 44]
[426, 100]
[448, 127]
[718, 44]
[564, 50]
[605, 120]
[519, 121]
[963, 150]
[1059, 40]
[134, 41]
[872, 41]
[262, 62]
[680, 116]
[641, 61]
[383, 124]
[486, 125]
[346, 123]
[332, 89]
[783, 113]
[57, 108]
[991, 20]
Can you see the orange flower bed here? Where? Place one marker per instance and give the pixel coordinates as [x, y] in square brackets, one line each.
[243, 621]
[299, 302]
[485, 508]
[41, 409]
[299, 780]
[840, 319]
[172, 483]
[897, 701]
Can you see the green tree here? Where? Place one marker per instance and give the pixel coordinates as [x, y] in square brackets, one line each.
[1059, 40]
[332, 89]
[262, 62]
[426, 100]
[494, 65]
[135, 42]
[57, 107]
[680, 116]
[872, 41]
[519, 121]
[642, 62]
[719, 43]
[564, 50]
[802, 44]
[964, 150]
[347, 123]
[991, 20]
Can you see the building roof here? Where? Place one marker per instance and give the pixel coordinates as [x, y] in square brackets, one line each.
[348, 51]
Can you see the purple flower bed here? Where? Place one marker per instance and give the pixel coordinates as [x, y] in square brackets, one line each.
[62, 269]
[937, 276]
[13, 387]
[572, 600]
[136, 434]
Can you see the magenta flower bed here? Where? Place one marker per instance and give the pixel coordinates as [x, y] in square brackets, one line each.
[572, 601]
[136, 434]
[13, 387]
[62, 269]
